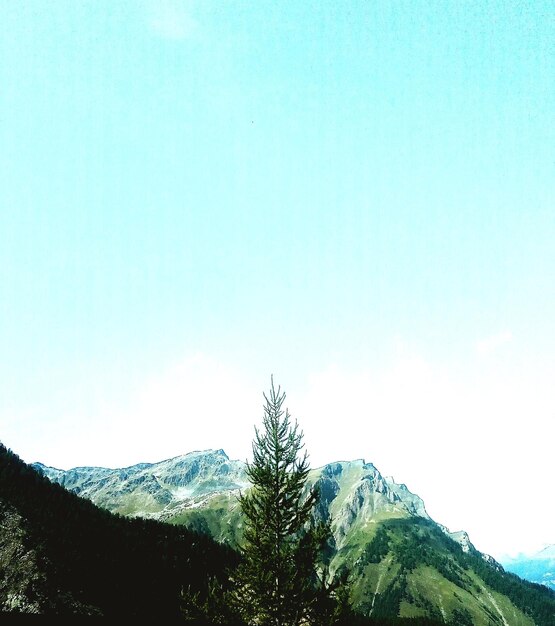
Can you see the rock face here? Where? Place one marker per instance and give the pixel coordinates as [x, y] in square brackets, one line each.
[354, 494]
[156, 490]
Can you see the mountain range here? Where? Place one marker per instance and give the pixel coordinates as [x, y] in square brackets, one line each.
[538, 567]
[399, 561]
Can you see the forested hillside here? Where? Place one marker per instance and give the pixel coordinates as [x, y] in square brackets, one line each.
[61, 554]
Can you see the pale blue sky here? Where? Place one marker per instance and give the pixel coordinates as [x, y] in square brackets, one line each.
[281, 187]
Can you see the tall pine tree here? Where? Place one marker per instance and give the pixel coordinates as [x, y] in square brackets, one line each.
[277, 583]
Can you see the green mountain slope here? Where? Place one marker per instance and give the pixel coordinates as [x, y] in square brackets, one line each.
[411, 568]
[399, 561]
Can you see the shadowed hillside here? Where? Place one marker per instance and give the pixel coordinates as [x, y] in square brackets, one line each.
[61, 554]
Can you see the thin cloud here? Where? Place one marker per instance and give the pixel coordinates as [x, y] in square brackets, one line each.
[171, 19]
[492, 343]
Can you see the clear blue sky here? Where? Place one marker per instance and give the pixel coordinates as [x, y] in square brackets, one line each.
[281, 187]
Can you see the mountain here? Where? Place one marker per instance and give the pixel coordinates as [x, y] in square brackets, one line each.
[62, 555]
[399, 561]
[155, 490]
[538, 568]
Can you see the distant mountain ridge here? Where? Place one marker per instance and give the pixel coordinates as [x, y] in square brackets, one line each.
[538, 567]
[401, 562]
[167, 489]
[154, 490]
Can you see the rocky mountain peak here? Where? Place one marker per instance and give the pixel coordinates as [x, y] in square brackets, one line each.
[353, 494]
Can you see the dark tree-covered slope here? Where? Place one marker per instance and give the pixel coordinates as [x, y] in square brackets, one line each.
[61, 554]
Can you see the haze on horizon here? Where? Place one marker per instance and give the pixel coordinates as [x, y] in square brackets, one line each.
[357, 198]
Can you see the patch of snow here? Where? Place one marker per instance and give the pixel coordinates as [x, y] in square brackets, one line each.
[182, 493]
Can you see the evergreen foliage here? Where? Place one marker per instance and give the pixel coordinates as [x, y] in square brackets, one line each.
[279, 582]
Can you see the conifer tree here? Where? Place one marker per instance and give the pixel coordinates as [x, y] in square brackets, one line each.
[277, 582]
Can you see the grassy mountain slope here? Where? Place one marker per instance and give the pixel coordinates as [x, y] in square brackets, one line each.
[400, 562]
[410, 568]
